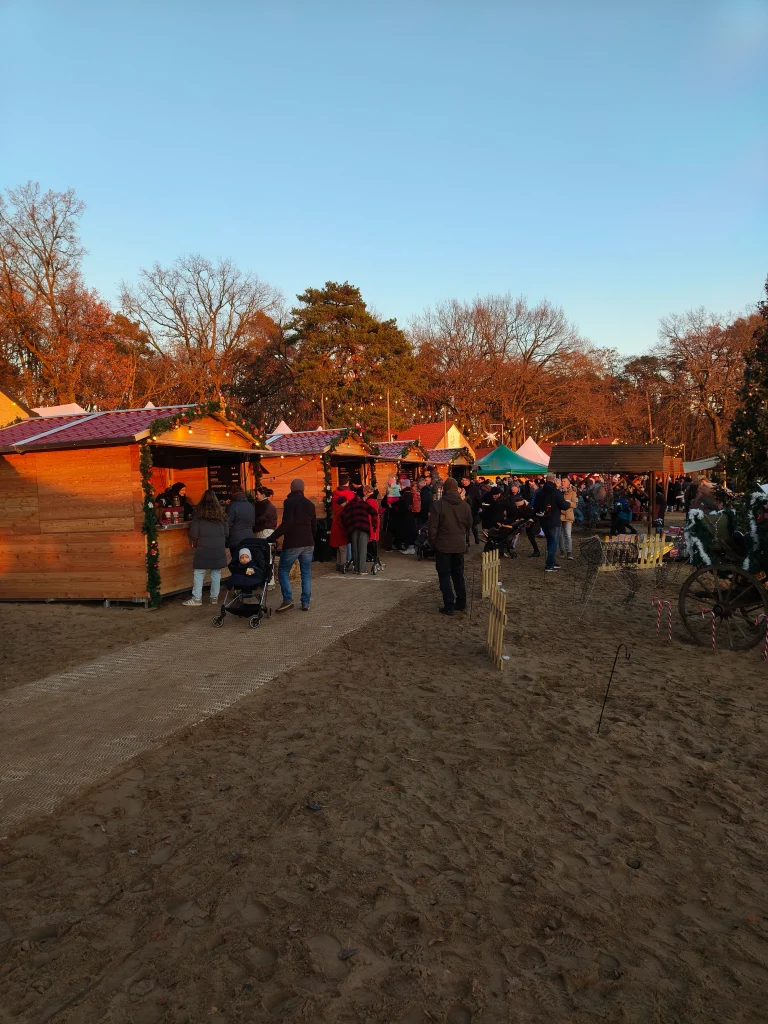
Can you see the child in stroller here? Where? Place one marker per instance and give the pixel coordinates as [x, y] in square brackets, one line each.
[423, 548]
[246, 587]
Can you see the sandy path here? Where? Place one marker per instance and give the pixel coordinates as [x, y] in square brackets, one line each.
[487, 857]
[67, 731]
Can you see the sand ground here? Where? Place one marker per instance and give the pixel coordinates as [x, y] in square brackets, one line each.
[396, 832]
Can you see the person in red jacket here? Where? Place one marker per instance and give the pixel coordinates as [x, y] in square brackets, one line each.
[339, 538]
[357, 516]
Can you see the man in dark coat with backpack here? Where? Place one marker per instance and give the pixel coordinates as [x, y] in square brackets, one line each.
[548, 503]
[449, 524]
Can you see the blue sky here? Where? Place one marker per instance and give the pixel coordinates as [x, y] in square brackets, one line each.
[611, 157]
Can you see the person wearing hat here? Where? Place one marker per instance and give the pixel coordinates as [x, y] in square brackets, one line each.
[449, 524]
[298, 532]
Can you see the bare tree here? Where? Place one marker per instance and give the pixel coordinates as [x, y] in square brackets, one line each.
[704, 355]
[42, 295]
[487, 359]
[206, 317]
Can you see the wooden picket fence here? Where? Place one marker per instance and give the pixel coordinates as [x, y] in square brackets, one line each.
[497, 620]
[637, 552]
[490, 572]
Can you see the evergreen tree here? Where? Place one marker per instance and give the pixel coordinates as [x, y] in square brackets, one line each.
[749, 430]
[349, 357]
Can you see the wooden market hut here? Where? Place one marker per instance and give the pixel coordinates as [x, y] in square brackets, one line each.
[451, 461]
[317, 456]
[653, 460]
[75, 497]
[399, 456]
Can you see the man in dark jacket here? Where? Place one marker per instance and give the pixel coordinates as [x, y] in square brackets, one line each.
[298, 532]
[449, 524]
[475, 501]
[518, 508]
[548, 503]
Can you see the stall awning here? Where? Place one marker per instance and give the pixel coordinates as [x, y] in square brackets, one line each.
[611, 458]
[502, 461]
[701, 465]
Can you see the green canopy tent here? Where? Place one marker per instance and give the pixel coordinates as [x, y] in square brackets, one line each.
[502, 461]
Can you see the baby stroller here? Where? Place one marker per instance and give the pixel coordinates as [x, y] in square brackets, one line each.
[372, 556]
[246, 595]
[505, 538]
[423, 548]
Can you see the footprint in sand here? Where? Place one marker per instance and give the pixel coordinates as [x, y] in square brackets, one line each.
[261, 956]
[188, 912]
[325, 950]
[531, 957]
[282, 1003]
[458, 1015]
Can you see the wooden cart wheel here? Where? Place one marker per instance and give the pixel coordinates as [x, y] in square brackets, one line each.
[735, 596]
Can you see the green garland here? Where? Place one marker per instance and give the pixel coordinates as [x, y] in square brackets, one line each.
[358, 434]
[149, 526]
[757, 510]
[163, 425]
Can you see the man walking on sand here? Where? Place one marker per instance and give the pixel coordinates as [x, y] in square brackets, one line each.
[548, 504]
[298, 532]
[449, 523]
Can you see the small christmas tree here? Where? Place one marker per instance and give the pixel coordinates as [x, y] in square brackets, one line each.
[749, 431]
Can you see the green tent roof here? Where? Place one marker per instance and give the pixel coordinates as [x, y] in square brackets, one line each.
[502, 461]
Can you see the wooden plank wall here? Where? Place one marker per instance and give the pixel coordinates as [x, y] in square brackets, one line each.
[278, 473]
[207, 433]
[384, 470]
[70, 525]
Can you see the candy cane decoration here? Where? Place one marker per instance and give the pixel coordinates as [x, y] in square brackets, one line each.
[758, 620]
[704, 614]
[658, 603]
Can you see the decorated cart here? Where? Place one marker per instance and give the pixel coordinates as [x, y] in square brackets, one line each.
[724, 602]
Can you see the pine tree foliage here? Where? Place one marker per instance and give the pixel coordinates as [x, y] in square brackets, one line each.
[749, 430]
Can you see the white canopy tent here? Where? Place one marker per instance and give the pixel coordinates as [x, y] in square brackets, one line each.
[530, 450]
[701, 465]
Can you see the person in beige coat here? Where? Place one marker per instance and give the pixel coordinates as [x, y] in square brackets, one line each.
[566, 519]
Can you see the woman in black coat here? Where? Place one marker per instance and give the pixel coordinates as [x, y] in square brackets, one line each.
[241, 517]
[208, 536]
[266, 514]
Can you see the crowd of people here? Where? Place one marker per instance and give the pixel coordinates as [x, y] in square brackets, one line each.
[420, 515]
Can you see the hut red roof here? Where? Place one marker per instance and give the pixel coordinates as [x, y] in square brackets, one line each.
[441, 456]
[429, 433]
[394, 449]
[116, 426]
[303, 442]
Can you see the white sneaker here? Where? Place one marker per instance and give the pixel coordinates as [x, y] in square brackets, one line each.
[192, 603]
[409, 551]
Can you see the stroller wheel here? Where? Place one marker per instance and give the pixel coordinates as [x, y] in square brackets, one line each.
[217, 620]
[254, 621]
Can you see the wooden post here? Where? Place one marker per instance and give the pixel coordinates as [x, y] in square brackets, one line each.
[490, 572]
[322, 410]
[389, 426]
[652, 501]
[497, 619]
